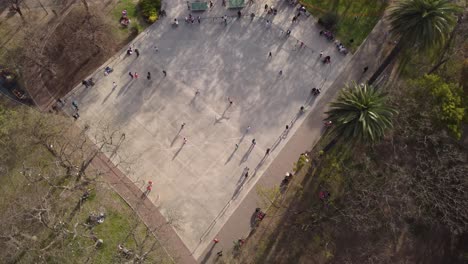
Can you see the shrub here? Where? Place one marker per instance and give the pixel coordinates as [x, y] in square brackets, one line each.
[329, 20]
[149, 9]
[445, 100]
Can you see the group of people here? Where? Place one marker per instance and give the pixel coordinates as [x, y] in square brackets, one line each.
[328, 34]
[271, 10]
[191, 19]
[315, 91]
[124, 20]
[341, 48]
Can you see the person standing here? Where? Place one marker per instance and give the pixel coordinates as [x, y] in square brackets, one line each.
[136, 75]
[270, 55]
[131, 75]
[114, 85]
[165, 73]
[148, 76]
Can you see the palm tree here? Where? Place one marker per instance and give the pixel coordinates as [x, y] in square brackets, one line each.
[420, 24]
[360, 114]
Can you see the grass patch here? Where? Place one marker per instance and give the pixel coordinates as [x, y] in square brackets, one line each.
[356, 18]
[133, 13]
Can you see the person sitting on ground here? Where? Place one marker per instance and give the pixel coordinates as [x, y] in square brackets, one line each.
[176, 22]
[129, 51]
[259, 214]
[108, 70]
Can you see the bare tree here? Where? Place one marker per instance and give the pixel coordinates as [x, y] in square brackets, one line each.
[38, 213]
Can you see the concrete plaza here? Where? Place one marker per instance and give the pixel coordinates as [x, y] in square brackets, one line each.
[201, 182]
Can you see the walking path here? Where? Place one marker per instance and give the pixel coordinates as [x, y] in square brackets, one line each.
[238, 226]
[231, 220]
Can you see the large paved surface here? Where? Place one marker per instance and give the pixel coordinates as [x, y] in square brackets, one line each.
[201, 182]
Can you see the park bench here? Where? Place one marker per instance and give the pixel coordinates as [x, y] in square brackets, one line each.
[199, 6]
[236, 3]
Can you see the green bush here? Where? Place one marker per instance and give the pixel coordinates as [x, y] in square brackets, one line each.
[329, 20]
[149, 9]
[444, 99]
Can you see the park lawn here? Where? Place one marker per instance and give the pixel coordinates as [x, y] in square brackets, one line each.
[137, 22]
[20, 186]
[356, 19]
[116, 229]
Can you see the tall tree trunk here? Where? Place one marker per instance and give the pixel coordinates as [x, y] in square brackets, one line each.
[389, 59]
[435, 67]
[17, 8]
[85, 3]
[45, 10]
[447, 46]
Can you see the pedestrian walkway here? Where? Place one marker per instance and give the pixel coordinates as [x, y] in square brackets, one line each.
[303, 140]
[202, 178]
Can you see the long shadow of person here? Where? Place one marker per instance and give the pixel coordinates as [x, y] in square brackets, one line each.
[247, 154]
[176, 136]
[208, 254]
[179, 150]
[230, 156]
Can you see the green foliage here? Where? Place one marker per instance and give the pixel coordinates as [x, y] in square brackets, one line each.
[356, 18]
[329, 20]
[464, 76]
[423, 23]
[303, 159]
[360, 114]
[149, 9]
[444, 99]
